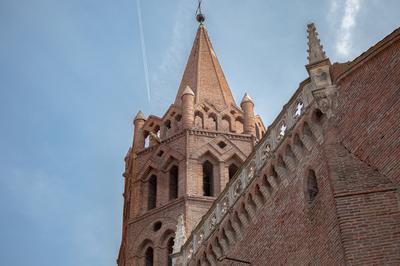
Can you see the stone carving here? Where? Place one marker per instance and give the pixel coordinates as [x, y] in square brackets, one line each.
[200, 237]
[190, 251]
[298, 108]
[213, 221]
[224, 205]
[251, 170]
[238, 188]
[281, 130]
[325, 100]
[180, 234]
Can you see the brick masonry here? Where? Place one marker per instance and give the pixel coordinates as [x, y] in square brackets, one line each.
[355, 219]
[203, 125]
[352, 150]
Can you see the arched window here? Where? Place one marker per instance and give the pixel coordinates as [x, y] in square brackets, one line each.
[225, 123]
[152, 199]
[146, 137]
[149, 257]
[198, 120]
[173, 182]
[170, 249]
[239, 125]
[208, 179]
[212, 122]
[232, 170]
[312, 186]
[167, 128]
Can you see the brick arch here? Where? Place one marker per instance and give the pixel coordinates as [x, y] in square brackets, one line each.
[172, 152]
[148, 170]
[168, 226]
[251, 202]
[233, 160]
[198, 120]
[225, 124]
[239, 124]
[214, 245]
[289, 150]
[265, 183]
[228, 225]
[167, 128]
[297, 140]
[168, 162]
[166, 235]
[211, 122]
[209, 155]
[151, 123]
[317, 116]
[306, 130]
[271, 171]
[307, 173]
[142, 247]
[258, 193]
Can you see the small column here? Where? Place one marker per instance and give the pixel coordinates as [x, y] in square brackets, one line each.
[247, 105]
[138, 138]
[187, 108]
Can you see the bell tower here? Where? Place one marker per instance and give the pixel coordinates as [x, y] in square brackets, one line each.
[181, 161]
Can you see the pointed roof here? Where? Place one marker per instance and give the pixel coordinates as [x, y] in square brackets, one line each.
[140, 115]
[246, 98]
[315, 49]
[204, 75]
[188, 90]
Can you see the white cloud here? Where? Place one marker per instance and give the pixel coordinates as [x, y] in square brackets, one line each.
[347, 23]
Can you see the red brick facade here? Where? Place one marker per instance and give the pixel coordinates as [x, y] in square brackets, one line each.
[326, 191]
[353, 150]
[203, 127]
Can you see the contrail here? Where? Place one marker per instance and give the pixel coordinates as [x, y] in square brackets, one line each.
[145, 67]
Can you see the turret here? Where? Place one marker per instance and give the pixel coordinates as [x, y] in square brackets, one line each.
[138, 137]
[187, 108]
[247, 105]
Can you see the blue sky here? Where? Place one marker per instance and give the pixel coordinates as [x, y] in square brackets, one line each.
[72, 79]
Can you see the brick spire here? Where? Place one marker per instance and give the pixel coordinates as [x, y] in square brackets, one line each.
[204, 75]
[315, 49]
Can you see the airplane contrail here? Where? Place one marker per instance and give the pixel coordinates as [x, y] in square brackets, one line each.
[144, 56]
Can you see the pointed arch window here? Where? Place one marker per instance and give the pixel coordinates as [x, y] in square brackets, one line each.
[208, 179]
[312, 186]
[173, 182]
[170, 250]
[152, 195]
[149, 257]
[232, 170]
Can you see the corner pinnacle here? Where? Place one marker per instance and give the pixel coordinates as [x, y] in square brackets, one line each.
[315, 49]
[246, 98]
[140, 116]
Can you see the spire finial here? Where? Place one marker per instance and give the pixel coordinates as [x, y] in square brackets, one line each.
[246, 98]
[315, 49]
[139, 116]
[199, 15]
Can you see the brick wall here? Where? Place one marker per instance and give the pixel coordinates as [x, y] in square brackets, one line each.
[355, 218]
[369, 111]
[289, 230]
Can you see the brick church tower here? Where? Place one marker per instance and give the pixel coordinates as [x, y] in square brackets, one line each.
[180, 162]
